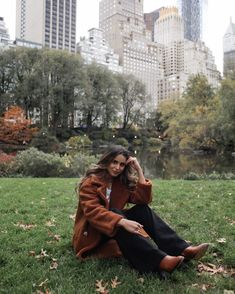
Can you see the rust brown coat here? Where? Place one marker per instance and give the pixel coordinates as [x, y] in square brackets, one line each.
[93, 217]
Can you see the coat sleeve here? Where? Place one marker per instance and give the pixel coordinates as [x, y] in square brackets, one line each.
[142, 193]
[96, 214]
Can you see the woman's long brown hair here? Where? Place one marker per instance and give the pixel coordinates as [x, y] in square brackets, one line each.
[127, 177]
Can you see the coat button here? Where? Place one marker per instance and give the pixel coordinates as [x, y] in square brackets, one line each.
[85, 233]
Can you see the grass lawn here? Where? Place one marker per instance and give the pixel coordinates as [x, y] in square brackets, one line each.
[36, 230]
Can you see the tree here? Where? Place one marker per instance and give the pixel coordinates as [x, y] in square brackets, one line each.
[191, 120]
[99, 103]
[133, 99]
[15, 128]
[225, 127]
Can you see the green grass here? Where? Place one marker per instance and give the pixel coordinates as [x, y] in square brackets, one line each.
[200, 211]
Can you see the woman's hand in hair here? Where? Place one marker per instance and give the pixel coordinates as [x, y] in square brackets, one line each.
[131, 226]
[134, 163]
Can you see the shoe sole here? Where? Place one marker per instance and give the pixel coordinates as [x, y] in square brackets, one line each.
[201, 252]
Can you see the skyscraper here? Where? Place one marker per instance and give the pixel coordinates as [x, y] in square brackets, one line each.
[4, 36]
[122, 22]
[194, 15]
[229, 49]
[51, 23]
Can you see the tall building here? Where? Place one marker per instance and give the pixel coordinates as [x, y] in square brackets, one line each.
[150, 19]
[229, 49]
[122, 22]
[4, 36]
[169, 26]
[50, 23]
[181, 58]
[96, 49]
[194, 15]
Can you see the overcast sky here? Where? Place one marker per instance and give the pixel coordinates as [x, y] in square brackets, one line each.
[219, 13]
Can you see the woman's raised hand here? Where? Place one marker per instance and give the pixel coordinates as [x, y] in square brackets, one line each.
[134, 163]
[131, 226]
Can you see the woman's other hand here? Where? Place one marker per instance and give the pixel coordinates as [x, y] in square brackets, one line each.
[134, 163]
[131, 226]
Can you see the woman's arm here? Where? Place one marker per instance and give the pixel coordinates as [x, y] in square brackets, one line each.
[97, 215]
[143, 191]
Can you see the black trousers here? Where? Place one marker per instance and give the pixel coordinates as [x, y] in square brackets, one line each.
[145, 254]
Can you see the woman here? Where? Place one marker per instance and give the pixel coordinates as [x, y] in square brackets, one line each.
[103, 228]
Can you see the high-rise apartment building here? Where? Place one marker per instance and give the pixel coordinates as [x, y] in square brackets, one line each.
[96, 49]
[169, 26]
[150, 19]
[4, 36]
[181, 58]
[229, 49]
[194, 15]
[51, 23]
[122, 22]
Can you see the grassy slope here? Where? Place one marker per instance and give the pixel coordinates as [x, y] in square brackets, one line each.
[197, 210]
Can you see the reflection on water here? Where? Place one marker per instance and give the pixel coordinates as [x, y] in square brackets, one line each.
[168, 166]
[164, 165]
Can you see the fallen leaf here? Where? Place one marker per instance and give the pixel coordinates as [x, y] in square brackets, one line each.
[101, 287]
[115, 282]
[141, 280]
[43, 283]
[24, 226]
[32, 253]
[72, 216]
[221, 240]
[203, 287]
[53, 265]
[228, 292]
[231, 221]
[42, 254]
[212, 269]
[50, 223]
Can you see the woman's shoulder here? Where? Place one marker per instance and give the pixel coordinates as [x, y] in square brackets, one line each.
[93, 180]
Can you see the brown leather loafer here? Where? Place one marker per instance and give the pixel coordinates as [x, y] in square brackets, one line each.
[170, 263]
[195, 252]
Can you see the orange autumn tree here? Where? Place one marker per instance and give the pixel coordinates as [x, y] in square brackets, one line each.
[15, 128]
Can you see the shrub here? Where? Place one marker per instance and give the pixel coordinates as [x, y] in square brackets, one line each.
[154, 142]
[79, 164]
[45, 142]
[78, 142]
[121, 141]
[35, 163]
[191, 176]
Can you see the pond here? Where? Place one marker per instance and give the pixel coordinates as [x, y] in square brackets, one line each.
[171, 165]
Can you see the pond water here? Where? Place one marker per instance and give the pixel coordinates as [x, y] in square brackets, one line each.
[171, 165]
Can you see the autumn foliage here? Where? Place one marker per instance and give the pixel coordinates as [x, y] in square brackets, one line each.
[15, 128]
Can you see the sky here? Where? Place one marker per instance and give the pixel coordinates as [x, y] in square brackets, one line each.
[219, 14]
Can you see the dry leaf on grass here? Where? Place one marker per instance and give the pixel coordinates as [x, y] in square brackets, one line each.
[141, 280]
[212, 269]
[56, 238]
[42, 254]
[228, 292]
[203, 287]
[50, 223]
[231, 221]
[101, 287]
[221, 240]
[25, 226]
[54, 265]
[115, 282]
[43, 283]
[72, 216]
[32, 253]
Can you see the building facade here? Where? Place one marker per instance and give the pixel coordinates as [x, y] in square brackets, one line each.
[181, 57]
[194, 15]
[125, 31]
[150, 19]
[229, 49]
[96, 49]
[49, 23]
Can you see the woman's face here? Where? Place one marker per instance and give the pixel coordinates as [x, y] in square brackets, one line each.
[117, 165]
